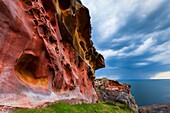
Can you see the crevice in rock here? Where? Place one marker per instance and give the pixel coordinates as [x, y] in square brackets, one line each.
[82, 44]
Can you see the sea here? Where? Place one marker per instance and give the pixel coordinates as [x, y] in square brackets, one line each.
[150, 92]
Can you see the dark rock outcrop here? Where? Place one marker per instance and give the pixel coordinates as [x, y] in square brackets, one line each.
[46, 53]
[110, 90]
[161, 108]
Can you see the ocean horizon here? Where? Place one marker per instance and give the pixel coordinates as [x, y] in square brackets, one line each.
[150, 91]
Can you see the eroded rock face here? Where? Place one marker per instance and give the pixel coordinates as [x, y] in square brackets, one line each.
[46, 53]
[109, 90]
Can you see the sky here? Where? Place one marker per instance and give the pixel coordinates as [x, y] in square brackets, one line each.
[133, 36]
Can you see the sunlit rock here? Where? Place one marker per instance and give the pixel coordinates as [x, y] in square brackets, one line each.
[46, 53]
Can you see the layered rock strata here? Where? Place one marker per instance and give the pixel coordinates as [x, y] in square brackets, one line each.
[110, 90]
[46, 53]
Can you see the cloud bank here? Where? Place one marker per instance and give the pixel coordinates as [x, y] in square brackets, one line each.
[162, 75]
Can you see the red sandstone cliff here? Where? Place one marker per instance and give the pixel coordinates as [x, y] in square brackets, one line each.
[46, 53]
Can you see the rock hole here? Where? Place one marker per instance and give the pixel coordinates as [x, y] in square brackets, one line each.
[64, 4]
[25, 70]
[61, 40]
[82, 45]
[36, 22]
[79, 60]
[62, 62]
[87, 56]
[90, 73]
[63, 57]
[56, 67]
[57, 50]
[30, 13]
[52, 39]
[28, 2]
[42, 30]
[36, 13]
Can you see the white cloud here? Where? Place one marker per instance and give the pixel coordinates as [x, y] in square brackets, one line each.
[162, 75]
[110, 67]
[110, 53]
[163, 58]
[108, 16]
[162, 53]
[115, 53]
[148, 6]
[107, 29]
[123, 52]
[161, 48]
[156, 36]
[143, 48]
[142, 64]
[122, 39]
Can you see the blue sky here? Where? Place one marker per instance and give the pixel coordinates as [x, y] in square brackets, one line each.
[133, 36]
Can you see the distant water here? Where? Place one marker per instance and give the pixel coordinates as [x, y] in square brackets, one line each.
[149, 92]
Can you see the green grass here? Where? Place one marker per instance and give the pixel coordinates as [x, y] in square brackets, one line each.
[101, 107]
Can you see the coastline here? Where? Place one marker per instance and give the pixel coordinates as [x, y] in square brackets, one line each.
[150, 92]
[157, 108]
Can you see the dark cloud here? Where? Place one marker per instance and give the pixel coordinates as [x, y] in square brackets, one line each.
[136, 25]
[134, 33]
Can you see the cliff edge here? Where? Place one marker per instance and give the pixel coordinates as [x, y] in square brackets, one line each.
[46, 53]
[114, 91]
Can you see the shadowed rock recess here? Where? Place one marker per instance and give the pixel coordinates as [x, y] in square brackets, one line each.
[46, 53]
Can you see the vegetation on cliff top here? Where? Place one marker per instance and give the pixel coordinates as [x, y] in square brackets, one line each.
[100, 107]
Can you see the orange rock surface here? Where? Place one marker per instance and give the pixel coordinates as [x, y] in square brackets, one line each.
[46, 53]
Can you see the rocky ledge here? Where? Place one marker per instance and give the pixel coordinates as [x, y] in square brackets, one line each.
[110, 90]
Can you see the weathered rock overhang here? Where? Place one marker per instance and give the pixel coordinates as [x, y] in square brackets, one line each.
[46, 52]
